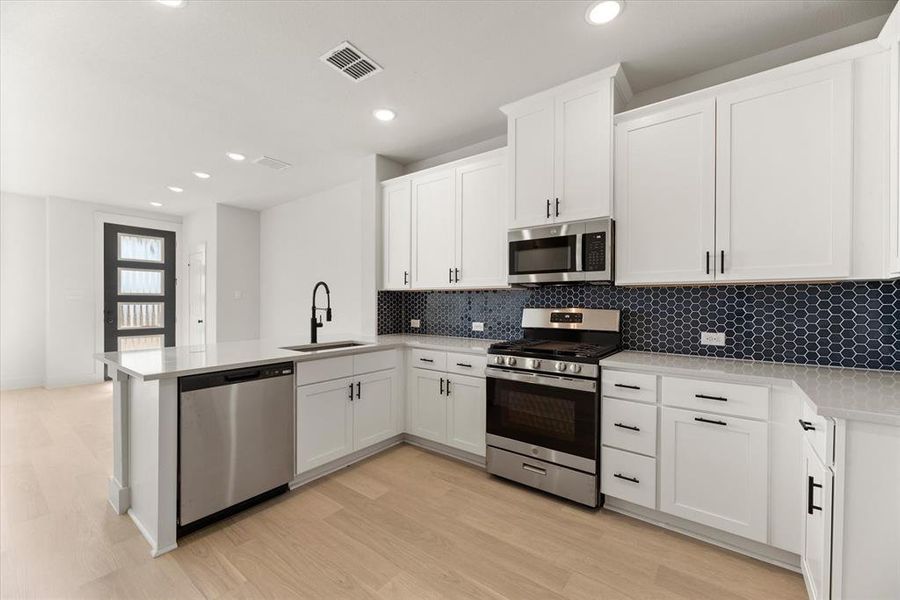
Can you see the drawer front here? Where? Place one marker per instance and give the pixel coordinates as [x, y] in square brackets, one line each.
[428, 359]
[628, 476]
[546, 476]
[629, 386]
[374, 361]
[315, 371]
[715, 396]
[628, 426]
[466, 364]
[817, 432]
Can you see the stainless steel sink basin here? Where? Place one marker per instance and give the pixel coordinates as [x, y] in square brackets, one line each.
[324, 346]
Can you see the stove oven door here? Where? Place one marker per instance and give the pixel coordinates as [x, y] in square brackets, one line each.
[552, 418]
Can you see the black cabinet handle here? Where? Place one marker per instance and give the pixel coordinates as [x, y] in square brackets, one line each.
[806, 425]
[448, 387]
[467, 365]
[456, 274]
[626, 478]
[405, 277]
[631, 427]
[710, 421]
[557, 207]
[548, 208]
[442, 386]
[358, 390]
[428, 360]
[450, 275]
[624, 385]
[811, 485]
[707, 262]
[351, 391]
[705, 397]
[722, 261]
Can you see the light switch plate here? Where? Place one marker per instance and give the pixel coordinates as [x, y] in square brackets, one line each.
[477, 326]
[415, 323]
[710, 338]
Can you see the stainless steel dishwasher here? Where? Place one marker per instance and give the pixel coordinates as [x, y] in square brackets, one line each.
[235, 441]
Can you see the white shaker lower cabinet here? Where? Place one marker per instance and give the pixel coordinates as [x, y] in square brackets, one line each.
[714, 470]
[375, 408]
[324, 422]
[428, 409]
[466, 413]
[815, 552]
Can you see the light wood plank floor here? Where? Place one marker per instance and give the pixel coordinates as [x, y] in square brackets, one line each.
[404, 524]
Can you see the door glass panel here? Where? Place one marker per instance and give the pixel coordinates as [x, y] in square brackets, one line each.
[140, 282]
[141, 315]
[140, 342]
[140, 247]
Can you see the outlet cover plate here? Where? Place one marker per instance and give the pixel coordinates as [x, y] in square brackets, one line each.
[710, 338]
[415, 323]
[477, 326]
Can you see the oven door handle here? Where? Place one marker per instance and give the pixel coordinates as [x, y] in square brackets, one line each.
[584, 385]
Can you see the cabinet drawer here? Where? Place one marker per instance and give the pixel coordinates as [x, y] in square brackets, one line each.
[374, 361]
[630, 386]
[628, 476]
[325, 369]
[724, 398]
[466, 364]
[429, 359]
[628, 426]
[817, 432]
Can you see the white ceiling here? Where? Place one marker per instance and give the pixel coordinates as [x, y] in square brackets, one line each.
[113, 101]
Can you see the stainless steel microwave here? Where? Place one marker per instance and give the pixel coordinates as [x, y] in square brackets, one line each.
[563, 253]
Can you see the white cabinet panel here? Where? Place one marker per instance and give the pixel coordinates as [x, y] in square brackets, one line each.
[433, 230]
[629, 386]
[714, 470]
[628, 476]
[815, 554]
[735, 399]
[894, 119]
[324, 423]
[584, 153]
[665, 196]
[428, 405]
[531, 139]
[480, 215]
[396, 214]
[785, 451]
[375, 408]
[628, 426]
[784, 178]
[466, 410]
[324, 369]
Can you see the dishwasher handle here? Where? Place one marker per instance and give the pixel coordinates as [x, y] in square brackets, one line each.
[234, 376]
[238, 377]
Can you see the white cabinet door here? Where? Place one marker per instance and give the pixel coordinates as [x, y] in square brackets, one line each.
[433, 230]
[714, 470]
[375, 408]
[466, 397]
[531, 164]
[815, 554]
[894, 258]
[480, 233]
[324, 423]
[583, 153]
[784, 178]
[665, 196]
[428, 405]
[396, 214]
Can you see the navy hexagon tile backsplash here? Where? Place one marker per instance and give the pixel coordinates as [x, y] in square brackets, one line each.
[852, 324]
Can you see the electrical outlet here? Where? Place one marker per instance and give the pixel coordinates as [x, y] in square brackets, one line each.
[415, 323]
[476, 326]
[710, 338]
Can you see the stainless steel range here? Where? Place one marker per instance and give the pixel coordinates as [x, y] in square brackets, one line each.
[543, 400]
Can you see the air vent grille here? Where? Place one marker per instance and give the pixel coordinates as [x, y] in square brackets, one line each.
[348, 59]
[272, 163]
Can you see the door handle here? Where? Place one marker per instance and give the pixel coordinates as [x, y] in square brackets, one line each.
[448, 387]
[456, 274]
[811, 485]
[548, 208]
[623, 426]
[358, 390]
[626, 478]
[450, 275]
[442, 386]
[722, 261]
[710, 421]
[557, 207]
[351, 391]
[707, 262]
[533, 469]
[806, 425]
[405, 277]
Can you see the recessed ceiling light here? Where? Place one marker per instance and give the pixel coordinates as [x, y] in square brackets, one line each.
[384, 114]
[173, 3]
[599, 13]
[175, 188]
[235, 156]
[156, 204]
[201, 175]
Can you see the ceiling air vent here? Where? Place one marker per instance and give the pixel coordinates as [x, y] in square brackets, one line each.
[272, 163]
[348, 60]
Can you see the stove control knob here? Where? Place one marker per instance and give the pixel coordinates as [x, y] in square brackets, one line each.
[511, 361]
[535, 363]
[498, 360]
[575, 368]
[561, 366]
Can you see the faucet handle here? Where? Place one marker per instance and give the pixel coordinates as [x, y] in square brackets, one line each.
[319, 323]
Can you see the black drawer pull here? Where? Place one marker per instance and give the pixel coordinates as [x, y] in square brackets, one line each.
[467, 365]
[710, 421]
[811, 485]
[631, 427]
[630, 387]
[806, 425]
[428, 360]
[626, 478]
[705, 397]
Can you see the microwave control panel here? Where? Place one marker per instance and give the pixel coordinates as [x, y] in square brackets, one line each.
[595, 251]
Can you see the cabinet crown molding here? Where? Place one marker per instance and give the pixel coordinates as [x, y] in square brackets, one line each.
[614, 72]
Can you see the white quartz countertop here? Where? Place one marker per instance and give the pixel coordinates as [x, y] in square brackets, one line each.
[856, 394]
[180, 361]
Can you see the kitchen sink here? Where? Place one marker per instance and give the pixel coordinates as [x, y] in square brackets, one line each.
[325, 346]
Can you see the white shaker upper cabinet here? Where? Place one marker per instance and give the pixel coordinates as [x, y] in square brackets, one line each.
[784, 178]
[531, 138]
[433, 230]
[396, 229]
[480, 215]
[894, 257]
[665, 196]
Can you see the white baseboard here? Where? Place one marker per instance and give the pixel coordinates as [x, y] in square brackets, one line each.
[344, 462]
[119, 497]
[474, 459]
[21, 383]
[155, 550]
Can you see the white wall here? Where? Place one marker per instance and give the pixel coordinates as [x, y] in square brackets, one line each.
[237, 286]
[304, 241]
[22, 290]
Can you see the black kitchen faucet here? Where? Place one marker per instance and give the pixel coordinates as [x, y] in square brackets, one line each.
[314, 323]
